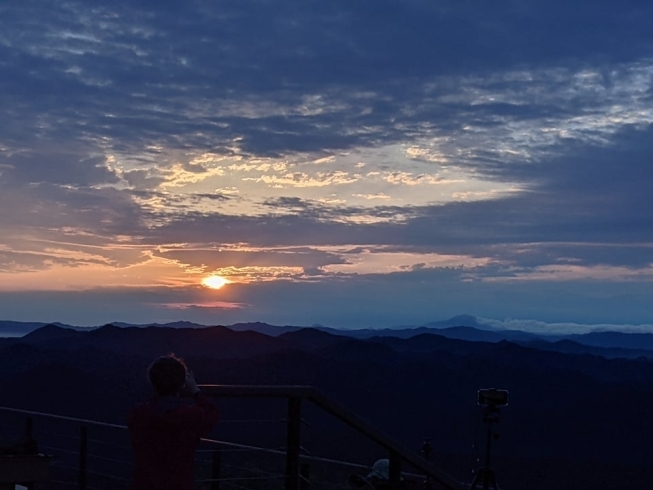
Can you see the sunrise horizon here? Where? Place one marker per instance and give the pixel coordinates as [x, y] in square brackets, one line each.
[328, 163]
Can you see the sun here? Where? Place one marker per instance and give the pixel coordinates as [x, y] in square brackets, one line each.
[214, 282]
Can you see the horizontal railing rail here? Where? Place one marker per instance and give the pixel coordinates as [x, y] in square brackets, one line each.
[53, 416]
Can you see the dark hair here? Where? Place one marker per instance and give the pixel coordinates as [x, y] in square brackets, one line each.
[167, 374]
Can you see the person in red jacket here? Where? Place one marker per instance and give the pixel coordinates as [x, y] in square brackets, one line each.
[166, 429]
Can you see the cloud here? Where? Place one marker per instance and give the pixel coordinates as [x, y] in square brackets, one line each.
[41, 255]
[212, 305]
[44, 206]
[380, 261]
[559, 328]
[355, 83]
[236, 258]
[378, 195]
[407, 178]
[143, 179]
[512, 136]
[180, 175]
[301, 179]
[53, 165]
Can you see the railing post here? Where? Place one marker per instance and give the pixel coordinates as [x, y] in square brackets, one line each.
[29, 437]
[394, 471]
[32, 446]
[83, 449]
[29, 428]
[293, 442]
[305, 476]
[216, 470]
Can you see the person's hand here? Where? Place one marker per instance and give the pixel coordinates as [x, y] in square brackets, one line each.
[190, 386]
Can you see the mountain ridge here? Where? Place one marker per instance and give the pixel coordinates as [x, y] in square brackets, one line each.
[408, 387]
[461, 327]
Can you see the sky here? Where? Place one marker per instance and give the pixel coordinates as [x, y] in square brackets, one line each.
[345, 163]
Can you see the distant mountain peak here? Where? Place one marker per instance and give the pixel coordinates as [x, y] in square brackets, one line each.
[459, 321]
[264, 328]
[471, 319]
[49, 331]
[309, 333]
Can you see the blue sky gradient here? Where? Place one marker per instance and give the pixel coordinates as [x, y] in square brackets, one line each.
[360, 164]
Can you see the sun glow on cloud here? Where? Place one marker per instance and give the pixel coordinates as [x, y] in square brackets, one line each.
[250, 274]
[179, 176]
[154, 272]
[301, 179]
[420, 175]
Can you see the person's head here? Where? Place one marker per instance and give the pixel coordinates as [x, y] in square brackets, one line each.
[167, 375]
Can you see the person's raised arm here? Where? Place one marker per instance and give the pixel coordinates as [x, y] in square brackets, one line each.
[190, 385]
[209, 411]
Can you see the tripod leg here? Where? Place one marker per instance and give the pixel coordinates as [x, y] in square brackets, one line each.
[494, 481]
[486, 477]
[476, 479]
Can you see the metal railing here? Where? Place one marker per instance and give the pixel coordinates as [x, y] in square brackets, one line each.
[295, 395]
[71, 450]
[297, 470]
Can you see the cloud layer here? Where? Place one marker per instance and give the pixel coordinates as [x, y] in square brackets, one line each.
[365, 154]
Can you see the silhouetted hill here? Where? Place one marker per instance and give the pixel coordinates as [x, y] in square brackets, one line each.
[218, 342]
[309, 339]
[571, 347]
[264, 328]
[9, 329]
[477, 335]
[637, 341]
[359, 351]
[179, 324]
[67, 389]
[50, 333]
[432, 343]
[576, 408]
[17, 329]
[462, 327]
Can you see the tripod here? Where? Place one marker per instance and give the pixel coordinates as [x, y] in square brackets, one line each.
[485, 475]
